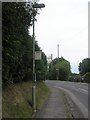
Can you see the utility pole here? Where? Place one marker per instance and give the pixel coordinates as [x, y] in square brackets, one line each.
[51, 60]
[58, 62]
[88, 28]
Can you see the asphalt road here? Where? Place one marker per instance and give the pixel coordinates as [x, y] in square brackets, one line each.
[77, 91]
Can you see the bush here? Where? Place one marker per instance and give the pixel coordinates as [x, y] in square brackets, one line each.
[75, 78]
[78, 78]
[87, 77]
[71, 78]
[28, 75]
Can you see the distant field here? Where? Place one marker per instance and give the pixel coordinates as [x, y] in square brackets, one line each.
[17, 102]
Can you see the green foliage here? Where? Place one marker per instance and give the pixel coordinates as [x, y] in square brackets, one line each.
[28, 75]
[84, 66]
[17, 99]
[17, 53]
[64, 69]
[75, 77]
[41, 68]
[87, 77]
[16, 43]
[84, 69]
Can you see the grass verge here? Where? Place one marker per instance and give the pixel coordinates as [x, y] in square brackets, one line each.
[17, 99]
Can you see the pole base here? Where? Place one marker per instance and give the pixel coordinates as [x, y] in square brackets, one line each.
[34, 111]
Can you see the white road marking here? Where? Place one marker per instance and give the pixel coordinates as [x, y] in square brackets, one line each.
[85, 91]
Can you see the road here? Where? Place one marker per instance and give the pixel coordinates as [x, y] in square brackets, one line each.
[77, 91]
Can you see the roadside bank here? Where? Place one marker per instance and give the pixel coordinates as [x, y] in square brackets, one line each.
[17, 99]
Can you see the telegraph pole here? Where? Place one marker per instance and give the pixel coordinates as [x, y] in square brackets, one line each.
[51, 60]
[58, 62]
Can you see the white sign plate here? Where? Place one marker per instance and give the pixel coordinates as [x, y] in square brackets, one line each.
[38, 55]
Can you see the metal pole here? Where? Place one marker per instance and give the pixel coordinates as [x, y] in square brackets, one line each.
[34, 87]
[34, 80]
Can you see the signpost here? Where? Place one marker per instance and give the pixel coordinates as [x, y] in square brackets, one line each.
[36, 55]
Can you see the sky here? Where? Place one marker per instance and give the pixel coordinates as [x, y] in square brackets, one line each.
[63, 22]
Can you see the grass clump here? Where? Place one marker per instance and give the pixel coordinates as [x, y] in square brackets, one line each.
[42, 92]
[67, 106]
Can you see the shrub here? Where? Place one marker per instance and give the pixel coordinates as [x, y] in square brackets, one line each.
[87, 77]
[28, 75]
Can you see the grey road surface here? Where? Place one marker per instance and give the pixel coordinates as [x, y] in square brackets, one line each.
[77, 91]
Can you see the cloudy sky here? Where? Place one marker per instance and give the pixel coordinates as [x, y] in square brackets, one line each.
[64, 22]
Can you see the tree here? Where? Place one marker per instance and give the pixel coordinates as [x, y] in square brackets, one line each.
[84, 66]
[86, 77]
[64, 69]
[17, 43]
[41, 67]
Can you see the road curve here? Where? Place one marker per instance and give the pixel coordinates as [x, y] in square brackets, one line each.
[77, 91]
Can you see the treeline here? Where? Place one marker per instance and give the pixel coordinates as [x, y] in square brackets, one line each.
[84, 69]
[84, 72]
[17, 51]
[59, 69]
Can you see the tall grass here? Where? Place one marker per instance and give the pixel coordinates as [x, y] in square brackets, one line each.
[17, 99]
